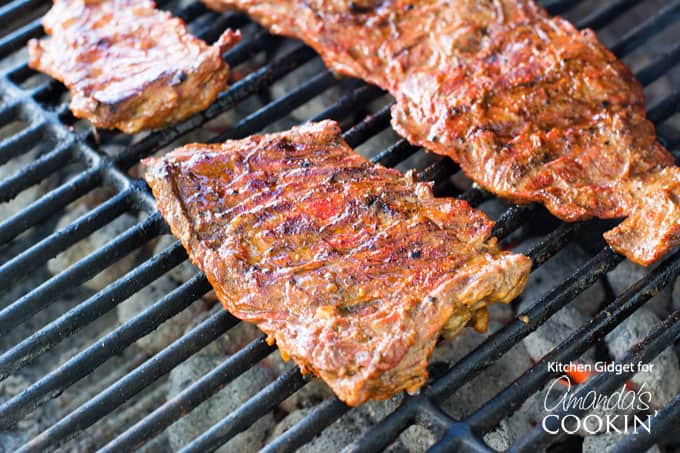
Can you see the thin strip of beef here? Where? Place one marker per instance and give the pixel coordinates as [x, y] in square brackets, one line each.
[353, 269]
[531, 108]
[128, 65]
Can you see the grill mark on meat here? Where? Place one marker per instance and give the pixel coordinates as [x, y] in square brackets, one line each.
[354, 279]
[128, 65]
[531, 108]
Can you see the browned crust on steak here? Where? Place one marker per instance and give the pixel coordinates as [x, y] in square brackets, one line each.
[128, 65]
[353, 269]
[531, 108]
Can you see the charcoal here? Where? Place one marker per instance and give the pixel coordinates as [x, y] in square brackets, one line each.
[183, 271]
[546, 277]
[488, 383]
[377, 410]
[417, 439]
[311, 394]
[513, 427]
[663, 379]
[554, 331]
[345, 430]
[502, 437]
[627, 273]
[238, 337]
[298, 78]
[451, 350]
[604, 443]
[170, 330]
[289, 421]
[27, 196]
[92, 243]
[219, 405]
[11, 441]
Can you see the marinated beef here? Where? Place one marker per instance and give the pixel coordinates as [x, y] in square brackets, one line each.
[128, 65]
[531, 108]
[353, 269]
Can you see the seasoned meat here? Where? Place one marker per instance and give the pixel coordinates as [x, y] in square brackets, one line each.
[128, 65]
[353, 269]
[531, 108]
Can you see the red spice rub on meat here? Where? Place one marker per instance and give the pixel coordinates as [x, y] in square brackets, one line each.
[128, 65]
[532, 109]
[353, 269]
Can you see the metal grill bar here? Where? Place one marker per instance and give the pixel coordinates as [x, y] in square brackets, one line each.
[18, 38]
[512, 219]
[605, 383]
[664, 421]
[37, 299]
[49, 204]
[606, 14]
[60, 240]
[475, 196]
[396, 153]
[345, 105]
[647, 29]
[44, 93]
[465, 441]
[555, 7]
[418, 409]
[243, 51]
[93, 356]
[439, 170]
[248, 413]
[19, 73]
[88, 310]
[577, 343]
[660, 66]
[11, 111]
[305, 430]
[278, 108]
[135, 381]
[191, 397]
[19, 143]
[219, 24]
[664, 108]
[12, 11]
[35, 172]
[191, 12]
[473, 363]
[368, 127]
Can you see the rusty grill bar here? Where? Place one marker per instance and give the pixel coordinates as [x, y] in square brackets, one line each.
[52, 121]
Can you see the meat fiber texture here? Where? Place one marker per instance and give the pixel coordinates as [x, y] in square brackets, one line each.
[128, 65]
[353, 269]
[531, 108]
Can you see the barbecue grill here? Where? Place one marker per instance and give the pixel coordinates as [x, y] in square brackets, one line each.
[34, 117]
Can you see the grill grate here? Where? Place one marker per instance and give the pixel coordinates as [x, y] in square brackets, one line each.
[41, 107]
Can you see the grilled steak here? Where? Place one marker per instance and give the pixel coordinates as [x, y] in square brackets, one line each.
[353, 269]
[531, 108]
[128, 65]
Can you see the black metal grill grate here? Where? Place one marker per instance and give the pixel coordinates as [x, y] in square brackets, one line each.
[40, 104]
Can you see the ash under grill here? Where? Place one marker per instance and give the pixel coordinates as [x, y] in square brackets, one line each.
[109, 337]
